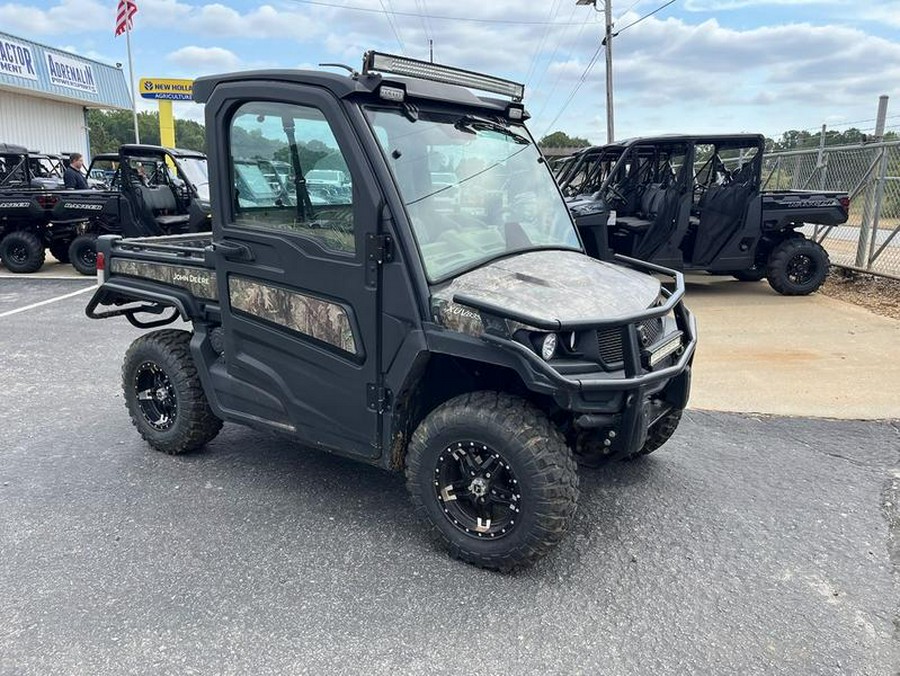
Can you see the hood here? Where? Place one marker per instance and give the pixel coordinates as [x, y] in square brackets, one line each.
[553, 285]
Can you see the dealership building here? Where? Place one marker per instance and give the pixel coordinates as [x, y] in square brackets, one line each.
[45, 94]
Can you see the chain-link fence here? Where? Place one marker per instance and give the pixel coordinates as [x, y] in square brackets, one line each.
[871, 174]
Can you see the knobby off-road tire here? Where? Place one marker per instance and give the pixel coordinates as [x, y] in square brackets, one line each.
[22, 251]
[164, 395]
[83, 254]
[659, 433]
[797, 267]
[507, 451]
[60, 250]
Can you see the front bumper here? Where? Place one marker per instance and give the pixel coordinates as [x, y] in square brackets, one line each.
[628, 401]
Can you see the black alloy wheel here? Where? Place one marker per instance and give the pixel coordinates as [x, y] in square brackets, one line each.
[155, 394]
[22, 251]
[494, 476]
[164, 394]
[797, 267]
[83, 254]
[800, 269]
[478, 490]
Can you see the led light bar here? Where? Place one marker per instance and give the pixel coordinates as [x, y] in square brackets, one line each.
[423, 70]
[665, 350]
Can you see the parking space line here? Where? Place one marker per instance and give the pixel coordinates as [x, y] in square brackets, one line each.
[38, 278]
[46, 302]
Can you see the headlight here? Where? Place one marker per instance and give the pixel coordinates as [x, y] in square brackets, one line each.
[548, 346]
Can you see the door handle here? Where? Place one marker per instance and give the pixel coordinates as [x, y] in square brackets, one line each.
[233, 251]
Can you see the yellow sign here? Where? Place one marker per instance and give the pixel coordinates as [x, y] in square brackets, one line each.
[166, 89]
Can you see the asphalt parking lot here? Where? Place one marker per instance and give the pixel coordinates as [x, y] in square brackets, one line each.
[750, 544]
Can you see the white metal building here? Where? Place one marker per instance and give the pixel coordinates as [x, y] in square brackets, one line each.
[45, 94]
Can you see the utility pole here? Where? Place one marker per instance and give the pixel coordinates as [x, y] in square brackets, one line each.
[607, 44]
[607, 41]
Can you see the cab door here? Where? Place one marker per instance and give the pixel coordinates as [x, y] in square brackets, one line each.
[299, 304]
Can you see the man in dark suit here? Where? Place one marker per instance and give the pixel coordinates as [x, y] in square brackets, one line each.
[73, 178]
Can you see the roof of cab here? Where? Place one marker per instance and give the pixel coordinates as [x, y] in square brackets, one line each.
[664, 139]
[343, 86]
[10, 149]
[139, 148]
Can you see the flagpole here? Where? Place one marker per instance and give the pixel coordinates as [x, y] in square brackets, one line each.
[137, 135]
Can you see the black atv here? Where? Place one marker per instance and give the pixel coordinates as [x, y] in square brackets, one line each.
[696, 203]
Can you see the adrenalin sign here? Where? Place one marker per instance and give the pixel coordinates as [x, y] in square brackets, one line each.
[70, 73]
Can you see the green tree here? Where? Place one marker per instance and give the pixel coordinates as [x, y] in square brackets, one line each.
[110, 129]
[559, 139]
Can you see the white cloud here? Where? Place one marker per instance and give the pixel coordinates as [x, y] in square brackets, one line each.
[67, 16]
[204, 60]
[725, 5]
[214, 19]
[671, 74]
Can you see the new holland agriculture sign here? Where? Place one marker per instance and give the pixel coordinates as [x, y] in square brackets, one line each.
[168, 89]
[17, 59]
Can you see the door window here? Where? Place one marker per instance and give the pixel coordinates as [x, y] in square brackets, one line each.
[289, 174]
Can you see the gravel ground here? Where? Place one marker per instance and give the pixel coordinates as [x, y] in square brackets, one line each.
[881, 295]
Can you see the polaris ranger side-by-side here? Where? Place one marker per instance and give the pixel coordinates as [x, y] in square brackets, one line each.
[697, 203]
[32, 218]
[441, 318]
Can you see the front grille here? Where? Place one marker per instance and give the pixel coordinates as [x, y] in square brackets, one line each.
[609, 341]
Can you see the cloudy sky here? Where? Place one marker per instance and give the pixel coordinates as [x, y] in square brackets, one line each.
[695, 66]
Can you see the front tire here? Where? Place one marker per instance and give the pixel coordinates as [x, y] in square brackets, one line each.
[659, 433]
[494, 477]
[164, 395]
[22, 251]
[797, 267]
[83, 254]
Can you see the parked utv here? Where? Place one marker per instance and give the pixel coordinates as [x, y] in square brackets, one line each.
[696, 203]
[150, 190]
[32, 218]
[468, 340]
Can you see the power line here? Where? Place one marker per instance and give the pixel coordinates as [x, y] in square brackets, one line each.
[549, 96]
[391, 24]
[540, 79]
[436, 17]
[633, 5]
[580, 82]
[421, 13]
[554, 10]
[428, 22]
[646, 16]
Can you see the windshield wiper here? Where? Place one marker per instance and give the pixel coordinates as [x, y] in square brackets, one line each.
[474, 124]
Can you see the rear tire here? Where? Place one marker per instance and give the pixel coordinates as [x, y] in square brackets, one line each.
[495, 479]
[60, 250]
[797, 267]
[164, 395]
[83, 254]
[22, 252]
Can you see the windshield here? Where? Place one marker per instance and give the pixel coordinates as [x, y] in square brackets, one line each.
[196, 172]
[475, 189]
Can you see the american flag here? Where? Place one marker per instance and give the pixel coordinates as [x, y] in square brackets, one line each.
[127, 9]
